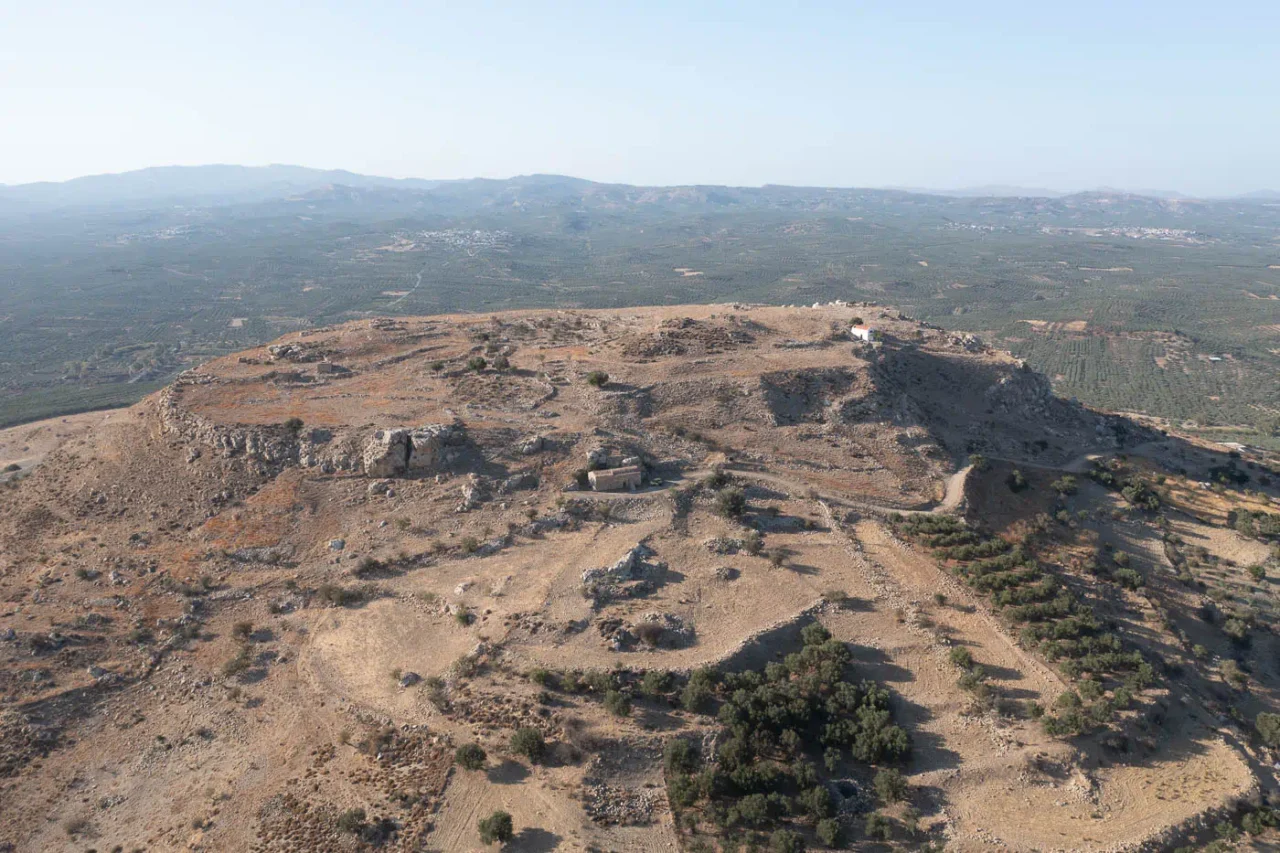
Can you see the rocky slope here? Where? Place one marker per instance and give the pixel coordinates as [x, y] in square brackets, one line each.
[288, 586]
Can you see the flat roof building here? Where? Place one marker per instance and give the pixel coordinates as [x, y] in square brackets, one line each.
[611, 479]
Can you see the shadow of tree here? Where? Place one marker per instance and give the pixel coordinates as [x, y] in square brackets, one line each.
[533, 840]
[507, 773]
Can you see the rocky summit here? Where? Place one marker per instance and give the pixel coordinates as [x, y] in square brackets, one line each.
[692, 577]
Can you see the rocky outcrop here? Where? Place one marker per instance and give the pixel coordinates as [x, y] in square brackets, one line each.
[724, 545]
[271, 444]
[435, 447]
[1021, 391]
[633, 574]
[628, 567]
[387, 453]
[803, 396]
[474, 492]
[408, 452]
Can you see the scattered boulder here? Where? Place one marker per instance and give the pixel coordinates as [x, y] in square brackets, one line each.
[626, 568]
[409, 679]
[474, 492]
[271, 555]
[518, 482]
[615, 634]
[633, 574]
[724, 545]
[285, 351]
[664, 630]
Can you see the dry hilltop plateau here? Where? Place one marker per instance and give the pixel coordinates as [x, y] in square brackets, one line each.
[696, 578]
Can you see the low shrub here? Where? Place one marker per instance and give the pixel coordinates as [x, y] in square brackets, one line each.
[680, 756]
[530, 743]
[1269, 728]
[650, 633]
[470, 756]
[340, 596]
[242, 660]
[731, 502]
[617, 703]
[879, 826]
[786, 841]
[351, 821]
[829, 833]
[656, 682]
[497, 827]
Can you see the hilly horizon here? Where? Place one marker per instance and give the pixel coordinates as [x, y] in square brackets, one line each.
[1167, 307]
[230, 183]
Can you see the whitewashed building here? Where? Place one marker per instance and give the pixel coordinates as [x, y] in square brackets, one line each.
[864, 333]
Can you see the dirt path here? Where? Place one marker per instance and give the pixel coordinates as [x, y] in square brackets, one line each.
[966, 618]
[953, 495]
[978, 760]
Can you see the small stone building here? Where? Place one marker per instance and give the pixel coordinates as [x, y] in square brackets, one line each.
[612, 479]
[863, 333]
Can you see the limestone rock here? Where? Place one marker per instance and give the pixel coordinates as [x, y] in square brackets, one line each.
[474, 492]
[517, 482]
[629, 567]
[387, 453]
[424, 450]
[433, 447]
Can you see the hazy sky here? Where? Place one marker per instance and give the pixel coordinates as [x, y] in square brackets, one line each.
[1159, 95]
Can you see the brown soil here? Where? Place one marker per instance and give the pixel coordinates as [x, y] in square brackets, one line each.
[183, 674]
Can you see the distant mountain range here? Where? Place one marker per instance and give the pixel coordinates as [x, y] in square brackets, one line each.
[987, 191]
[213, 185]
